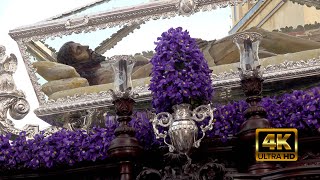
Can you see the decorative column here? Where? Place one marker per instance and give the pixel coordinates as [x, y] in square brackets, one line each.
[125, 147]
[251, 83]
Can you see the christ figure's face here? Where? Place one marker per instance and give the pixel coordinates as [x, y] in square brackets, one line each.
[80, 52]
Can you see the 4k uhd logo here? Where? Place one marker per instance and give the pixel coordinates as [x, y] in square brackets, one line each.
[277, 144]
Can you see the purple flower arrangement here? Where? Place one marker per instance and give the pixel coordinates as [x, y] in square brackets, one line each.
[62, 148]
[300, 109]
[180, 74]
[68, 147]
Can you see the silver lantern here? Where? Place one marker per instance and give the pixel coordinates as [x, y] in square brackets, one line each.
[122, 66]
[248, 45]
[182, 127]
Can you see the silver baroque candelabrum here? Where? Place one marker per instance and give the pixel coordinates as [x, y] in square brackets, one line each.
[182, 127]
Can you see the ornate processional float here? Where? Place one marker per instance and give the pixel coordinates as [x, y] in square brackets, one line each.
[190, 102]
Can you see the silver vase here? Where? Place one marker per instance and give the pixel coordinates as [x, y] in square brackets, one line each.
[182, 127]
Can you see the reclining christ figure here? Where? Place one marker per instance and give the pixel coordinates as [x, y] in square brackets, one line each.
[89, 64]
[217, 52]
[86, 62]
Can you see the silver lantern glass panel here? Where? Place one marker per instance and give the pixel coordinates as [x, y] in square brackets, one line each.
[248, 45]
[122, 66]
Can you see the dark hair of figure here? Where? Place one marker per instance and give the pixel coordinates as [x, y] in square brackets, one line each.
[64, 55]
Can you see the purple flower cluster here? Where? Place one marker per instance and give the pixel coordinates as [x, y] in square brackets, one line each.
[300, 109]
[227, 120]
[180, 74]
[144, 130]
[69, 147]
[62, 148]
